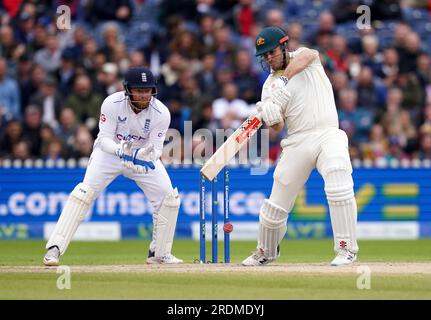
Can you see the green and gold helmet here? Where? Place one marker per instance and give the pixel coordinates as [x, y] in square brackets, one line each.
[270, 38]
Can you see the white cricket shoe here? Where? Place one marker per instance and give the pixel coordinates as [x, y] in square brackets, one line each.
[344, 257]
[52, 257]
[168, 259]
[256, 259]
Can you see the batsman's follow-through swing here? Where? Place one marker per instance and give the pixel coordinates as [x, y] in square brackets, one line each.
[299, 94]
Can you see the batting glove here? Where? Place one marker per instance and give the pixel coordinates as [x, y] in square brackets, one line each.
[270, 111]
[279, 93]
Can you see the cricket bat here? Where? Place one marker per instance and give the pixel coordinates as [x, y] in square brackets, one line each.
[231, 146]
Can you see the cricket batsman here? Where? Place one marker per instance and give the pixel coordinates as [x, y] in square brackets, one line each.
[299, 94]
[133, 124]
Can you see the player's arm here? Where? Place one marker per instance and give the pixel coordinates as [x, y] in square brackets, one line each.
[158, 134]
[299, 60]
[107, 128]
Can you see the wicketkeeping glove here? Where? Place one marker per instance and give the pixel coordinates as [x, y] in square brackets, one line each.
[141, 160]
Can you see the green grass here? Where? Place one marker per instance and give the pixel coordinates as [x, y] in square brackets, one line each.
[160, 285]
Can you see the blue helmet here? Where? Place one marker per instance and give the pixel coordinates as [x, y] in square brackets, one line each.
[139, 78]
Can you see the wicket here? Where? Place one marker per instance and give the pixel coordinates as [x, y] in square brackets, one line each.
[214, 221]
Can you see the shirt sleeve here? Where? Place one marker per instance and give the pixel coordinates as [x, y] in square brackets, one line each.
[158, 133]
[107, 128]
[298, 51]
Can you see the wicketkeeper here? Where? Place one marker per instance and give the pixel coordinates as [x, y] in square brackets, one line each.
[133, 125]
[299, 94]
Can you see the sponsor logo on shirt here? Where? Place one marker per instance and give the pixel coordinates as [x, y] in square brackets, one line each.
[122, 120]
[129, 136]
[102, 118]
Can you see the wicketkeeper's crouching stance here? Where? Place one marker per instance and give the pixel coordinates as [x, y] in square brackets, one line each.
[299, 93]
[133, 126]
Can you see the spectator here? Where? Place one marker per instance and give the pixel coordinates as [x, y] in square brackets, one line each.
[275, 18]
[410, 54]
[31, 129]
[155, 53]
[425, 143]
[377, 147]
[54, 150]
[356, 121]
[244, 19]
[47, 134]
[414, 96]
[370, 93]
[339, 81]
[50, 56]
[295, 31]
[423, 71]
[76, 47]
[326, 25]
[371, 56]
[338, 53]
[137, 59]
[83, 101]
[170, 73]
[229, 105]
[66, 73]
[186, 44]
[179, 114]
[67, 128]
[83, 143]
[10, 105]
[207, 119]
[24, 32]
[107, 10]
[392, 116]
[10, 137]
[30, 87]
[109, 80]
[111, 38]
[89, 51]
[49, 100]
[224, 50]
[206, 35]
[388, 69]
[120, 57]
[401, 32]
[9, 47]
[21, 151]
[191, 95]
[245, 79]
[207, 78]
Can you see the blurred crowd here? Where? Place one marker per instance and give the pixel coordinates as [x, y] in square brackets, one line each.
[54, 76]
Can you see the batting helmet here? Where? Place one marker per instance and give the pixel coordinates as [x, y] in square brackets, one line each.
[269, 39]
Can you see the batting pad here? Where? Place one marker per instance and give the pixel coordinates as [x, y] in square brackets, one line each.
[166, 222]
[272, 228]
[342, 208]
[74, 211]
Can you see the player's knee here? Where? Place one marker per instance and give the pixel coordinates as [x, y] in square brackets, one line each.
[272, 215]
[172, 198]
[339, 185]
[83, 193]
[169, 196]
